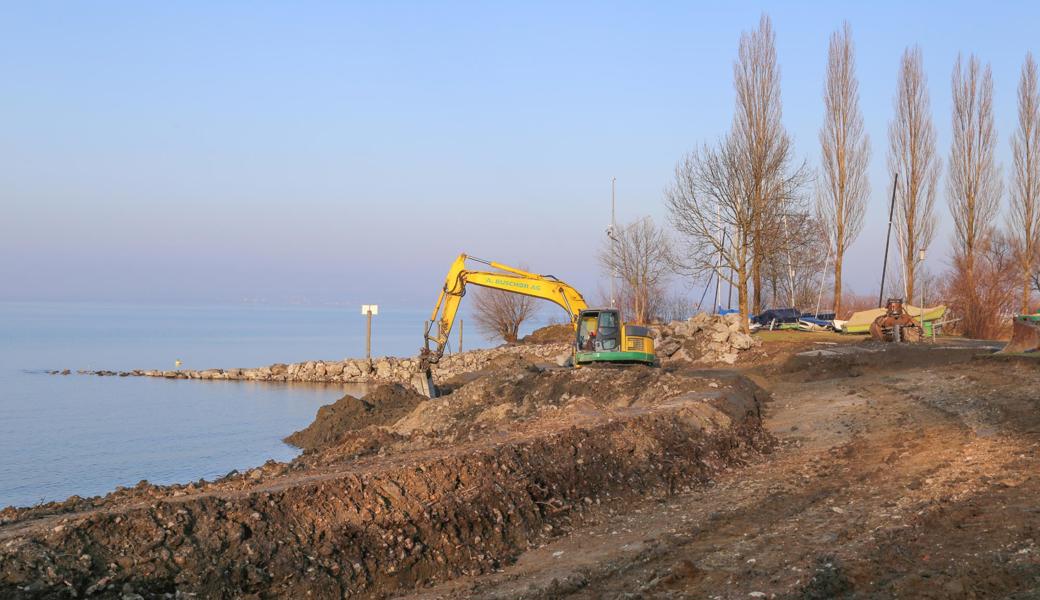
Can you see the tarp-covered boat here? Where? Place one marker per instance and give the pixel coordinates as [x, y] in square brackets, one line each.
[860, 321]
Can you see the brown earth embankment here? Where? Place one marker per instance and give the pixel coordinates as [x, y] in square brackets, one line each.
[460, 485]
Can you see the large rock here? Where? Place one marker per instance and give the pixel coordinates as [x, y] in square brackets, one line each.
[741, 340]
[668, 346]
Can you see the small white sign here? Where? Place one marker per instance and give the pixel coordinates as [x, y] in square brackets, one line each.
[372, 309]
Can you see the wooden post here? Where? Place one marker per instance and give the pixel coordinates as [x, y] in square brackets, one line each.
[369, 310]
[368, 337]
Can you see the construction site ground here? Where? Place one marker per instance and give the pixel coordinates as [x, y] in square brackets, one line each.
[817, 467]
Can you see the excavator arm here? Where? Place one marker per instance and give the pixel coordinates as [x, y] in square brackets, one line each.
[506, 278]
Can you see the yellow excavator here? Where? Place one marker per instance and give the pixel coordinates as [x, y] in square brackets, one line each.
[600, 336]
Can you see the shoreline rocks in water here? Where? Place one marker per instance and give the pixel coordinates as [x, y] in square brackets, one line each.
[386, 369]
[703, 338]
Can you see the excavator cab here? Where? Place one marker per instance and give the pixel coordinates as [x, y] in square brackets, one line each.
[602, 337]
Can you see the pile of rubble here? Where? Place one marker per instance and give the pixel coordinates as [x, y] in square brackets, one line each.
[703, 338]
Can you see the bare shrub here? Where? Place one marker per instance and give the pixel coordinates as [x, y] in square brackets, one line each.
[500, 314]
[985, 307]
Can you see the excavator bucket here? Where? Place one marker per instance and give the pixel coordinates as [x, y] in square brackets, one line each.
[423, 383]
[1025, 335]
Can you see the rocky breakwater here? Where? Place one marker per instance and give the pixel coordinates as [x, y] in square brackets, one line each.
[703, 338]
[358, 370]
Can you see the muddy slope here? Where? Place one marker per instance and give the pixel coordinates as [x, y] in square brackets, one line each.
[381, 406]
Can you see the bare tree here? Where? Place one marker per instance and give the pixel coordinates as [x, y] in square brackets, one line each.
[842, 191]
[1024, 217]
[639, 253]
[973, 183]
[500, 314]
[762, 141]
[792, 275]
[911, 154]
[711, 208]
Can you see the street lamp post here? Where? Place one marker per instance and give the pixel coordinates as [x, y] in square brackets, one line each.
[920, 265]
[613, 241]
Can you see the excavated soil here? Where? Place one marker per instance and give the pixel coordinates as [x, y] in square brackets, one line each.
[456, 487]
[383, 405]
[863, 472]
[550, 334]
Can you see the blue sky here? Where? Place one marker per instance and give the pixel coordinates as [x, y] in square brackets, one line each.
[214, 151]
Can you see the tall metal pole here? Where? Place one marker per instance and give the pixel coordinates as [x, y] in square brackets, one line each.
[920, 265]
[888, 239]
[823, 279]
[790, 262]
[718, 269]
[613, 232]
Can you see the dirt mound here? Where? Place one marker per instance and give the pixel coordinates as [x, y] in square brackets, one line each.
[703, 338]
[559, 333]
[390, 524]
[334, 422]
[507, 401]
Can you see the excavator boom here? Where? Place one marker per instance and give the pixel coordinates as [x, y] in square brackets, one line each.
[507, 278]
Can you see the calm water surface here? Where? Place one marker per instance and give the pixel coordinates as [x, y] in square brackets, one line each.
[84, 435]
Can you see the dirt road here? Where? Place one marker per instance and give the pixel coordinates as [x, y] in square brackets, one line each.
[893, 483]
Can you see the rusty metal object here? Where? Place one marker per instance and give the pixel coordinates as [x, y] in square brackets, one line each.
[896, 325]
[1025, 335]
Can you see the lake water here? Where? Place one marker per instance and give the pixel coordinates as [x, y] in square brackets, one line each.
[84, 435]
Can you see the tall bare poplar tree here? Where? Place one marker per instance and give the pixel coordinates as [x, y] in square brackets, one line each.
[973, 184]
[911, 153]
[761, 139]
[1024, 218]
[842, 191]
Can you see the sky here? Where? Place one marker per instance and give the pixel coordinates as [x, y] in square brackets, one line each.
[347, 152]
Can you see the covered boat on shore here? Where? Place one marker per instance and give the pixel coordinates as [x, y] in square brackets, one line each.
[860, 321]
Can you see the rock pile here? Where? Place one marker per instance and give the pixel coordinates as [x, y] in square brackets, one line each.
[703, 338]
[386, 369]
